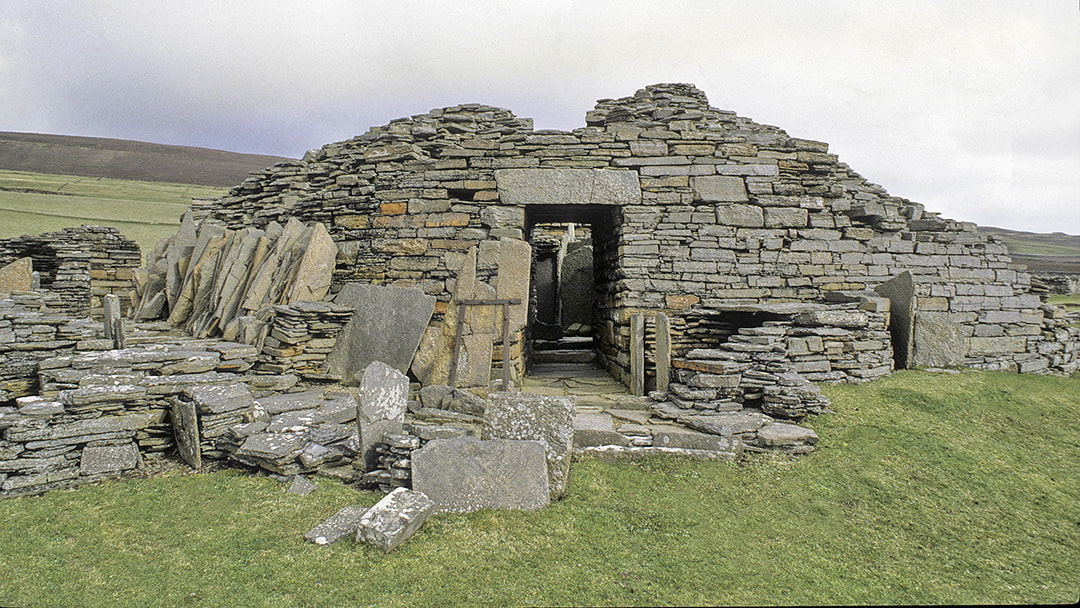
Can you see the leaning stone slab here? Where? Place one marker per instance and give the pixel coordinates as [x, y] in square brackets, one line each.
[186, 431]
[97, 460]
[466, 474]
[394, 519]
[387, 326]
[543, 418]
[341, 524]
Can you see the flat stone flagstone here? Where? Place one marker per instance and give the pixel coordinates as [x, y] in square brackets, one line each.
[338, 526]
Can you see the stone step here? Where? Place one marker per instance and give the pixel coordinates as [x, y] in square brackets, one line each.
[563, 356]
[572, 343]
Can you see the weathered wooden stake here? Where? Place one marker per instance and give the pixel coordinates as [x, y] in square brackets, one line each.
[663, 352]
[637, 354]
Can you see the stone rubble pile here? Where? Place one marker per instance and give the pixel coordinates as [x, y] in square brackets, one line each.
[300, 338]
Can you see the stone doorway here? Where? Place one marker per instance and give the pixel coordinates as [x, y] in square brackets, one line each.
[574, 252]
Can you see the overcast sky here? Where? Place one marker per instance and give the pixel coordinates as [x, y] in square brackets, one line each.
[972, 108]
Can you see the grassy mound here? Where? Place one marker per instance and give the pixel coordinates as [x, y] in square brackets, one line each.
[927, 489]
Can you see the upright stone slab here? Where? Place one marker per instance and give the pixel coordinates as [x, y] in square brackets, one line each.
[663, 352]
[542, 418]
[17, 276]
[465, 474]
[900, 290]
[387, 326]
[637, 354]
[186, 430]
[938, 341]
[394, 519]
[384, 395]
[114, 322]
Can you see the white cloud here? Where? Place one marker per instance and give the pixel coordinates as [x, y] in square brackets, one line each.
[967, 107]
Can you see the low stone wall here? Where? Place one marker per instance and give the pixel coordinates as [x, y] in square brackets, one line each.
[770, 366]
[100, 413]
[34, 326]
[299, 337]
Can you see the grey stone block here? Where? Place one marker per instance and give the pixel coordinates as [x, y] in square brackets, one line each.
[568, 186]
[97, 460]
[536, 417]
[719, 189]
[466, 474]
[394, 519]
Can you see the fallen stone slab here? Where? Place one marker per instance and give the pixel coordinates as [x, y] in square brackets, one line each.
[301, 485]
[285, 402]
[686, 439]
[726, 423]
[543, 418]
[394, 519]
[785, 435]
[273, 446]
[466, 474]
[338, 526]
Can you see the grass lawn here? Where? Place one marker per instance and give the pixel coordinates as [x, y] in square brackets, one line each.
[928, 488]
[32, 203]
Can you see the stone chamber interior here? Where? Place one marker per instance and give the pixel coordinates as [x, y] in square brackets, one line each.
[574, 281]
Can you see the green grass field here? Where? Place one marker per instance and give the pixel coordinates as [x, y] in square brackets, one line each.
[32, 203]
[926, 489]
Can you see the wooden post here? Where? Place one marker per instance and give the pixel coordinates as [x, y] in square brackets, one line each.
[637, 354]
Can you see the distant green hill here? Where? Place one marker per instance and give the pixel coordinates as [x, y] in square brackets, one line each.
[126, 159]
[1053, 252]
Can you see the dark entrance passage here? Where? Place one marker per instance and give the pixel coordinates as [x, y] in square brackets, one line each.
[574, 253]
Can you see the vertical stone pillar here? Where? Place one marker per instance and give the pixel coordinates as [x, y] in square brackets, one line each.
[663, 352]
[637, 354]
[114, 323]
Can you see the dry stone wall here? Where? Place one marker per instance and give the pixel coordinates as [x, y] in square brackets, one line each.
[81, 264]
[692, 207]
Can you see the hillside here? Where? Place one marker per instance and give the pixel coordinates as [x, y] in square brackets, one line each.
[126, 159]
[1053, 252]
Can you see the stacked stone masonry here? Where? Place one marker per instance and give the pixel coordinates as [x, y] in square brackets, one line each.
[691, 209]
[80, 264]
